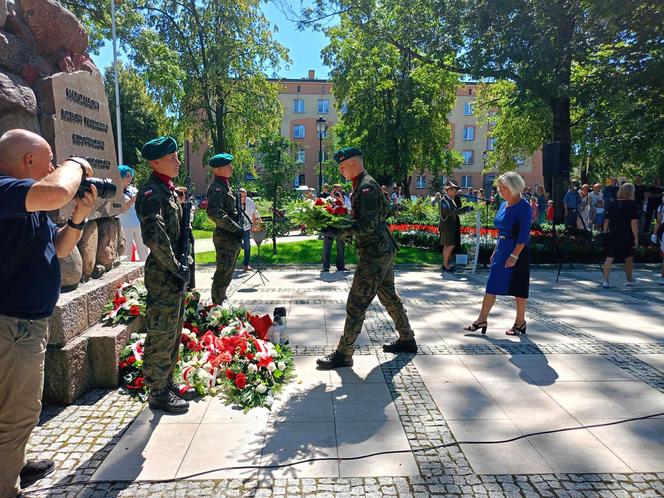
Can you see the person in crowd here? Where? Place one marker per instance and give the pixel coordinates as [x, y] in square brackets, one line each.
[332, 236]
[621, 229]
[325, 192]
[527, 194]
[639, 198]
[542, 198]
[128, 218]
[159, 210]
[374, 274]
[572, 204]
[586, 210]
[450, 223]
[535, 210]
[30, 246]
[610, 192]
[509, 274]
[229, 231]
[250, 217]
[550, 211]
[653, 201]
[597, 200]
[658, 234]
[435, 201]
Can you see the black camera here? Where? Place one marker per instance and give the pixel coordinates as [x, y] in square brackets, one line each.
[105, 187]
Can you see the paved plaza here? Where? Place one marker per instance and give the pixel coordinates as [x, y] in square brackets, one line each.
[591, 357]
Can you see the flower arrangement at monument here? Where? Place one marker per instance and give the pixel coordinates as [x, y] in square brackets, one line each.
[320, 214]
[222, 350]
[127, 303]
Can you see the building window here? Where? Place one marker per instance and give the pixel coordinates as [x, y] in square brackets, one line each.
[298, 88]
[299, 180]
[421, 182]
[467, 157]
[298, 106]
[323, 106]
[469, 133]
[520, 161]
[490, 143]
[467, 181]
[300, 156]
[298, 131]
[468, 109]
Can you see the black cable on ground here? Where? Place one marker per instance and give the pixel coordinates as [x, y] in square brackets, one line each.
[368, 455]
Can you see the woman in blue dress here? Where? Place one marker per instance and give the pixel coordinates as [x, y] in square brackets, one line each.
[509, 274]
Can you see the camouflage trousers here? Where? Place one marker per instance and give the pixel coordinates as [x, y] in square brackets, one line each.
[163, 320]
[227, 249]
[373, 276]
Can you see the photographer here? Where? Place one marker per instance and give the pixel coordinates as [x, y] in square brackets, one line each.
[30, 286]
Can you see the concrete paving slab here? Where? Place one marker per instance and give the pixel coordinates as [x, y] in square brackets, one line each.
[465, 400]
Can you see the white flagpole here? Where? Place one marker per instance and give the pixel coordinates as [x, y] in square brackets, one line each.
[118, 124]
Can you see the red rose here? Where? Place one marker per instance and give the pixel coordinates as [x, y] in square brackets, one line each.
[329, 209]
[123, 365]
[119, 301]
[319, 202]
[340, 211]
[137, 384]
[195, 330]
[264, 361]
[250, 356]
[229, 374]
[193, 346]
[135, 310]
[240, 380]
[184, 338]
[131, 360]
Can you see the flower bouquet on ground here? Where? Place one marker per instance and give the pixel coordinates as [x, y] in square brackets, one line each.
[131, 367]
[127, 304]
[320, 214]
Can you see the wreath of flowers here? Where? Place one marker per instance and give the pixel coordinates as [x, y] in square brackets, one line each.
[127, 303]
[222, 350]
[320, 214]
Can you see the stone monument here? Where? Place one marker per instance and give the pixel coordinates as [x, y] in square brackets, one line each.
[49, 85]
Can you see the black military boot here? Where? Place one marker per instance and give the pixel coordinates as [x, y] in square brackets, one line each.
[335, 360]
[165, 400]
[187, 395]
[35, 470]
[400, 346]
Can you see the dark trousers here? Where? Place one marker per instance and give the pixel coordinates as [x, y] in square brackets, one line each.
[327, 249]
[246, 246]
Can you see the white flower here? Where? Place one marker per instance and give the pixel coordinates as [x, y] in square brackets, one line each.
[204, 375]
[261, 388]
[271, 367]
[259, 355]
[132, 295]
[134, 336]
[252, 368]
[227, 330]
[281, 365]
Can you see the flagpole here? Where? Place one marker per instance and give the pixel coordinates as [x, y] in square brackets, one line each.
[118, 124]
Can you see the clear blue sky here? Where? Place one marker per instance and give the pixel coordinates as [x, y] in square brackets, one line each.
[304, 47]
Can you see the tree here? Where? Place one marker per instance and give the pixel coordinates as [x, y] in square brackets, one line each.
[205, 62]
[397, 105]
[275, 172]
[142, 118]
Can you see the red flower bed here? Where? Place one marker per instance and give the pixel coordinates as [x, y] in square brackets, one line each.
[465, 230]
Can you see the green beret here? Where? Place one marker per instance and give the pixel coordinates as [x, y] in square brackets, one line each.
[220, 160]
[346, 153]
[158, 148]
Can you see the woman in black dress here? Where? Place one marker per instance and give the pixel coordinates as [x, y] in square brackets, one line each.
[621, 227]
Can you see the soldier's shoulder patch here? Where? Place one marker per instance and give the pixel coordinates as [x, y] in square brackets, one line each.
[147, 193]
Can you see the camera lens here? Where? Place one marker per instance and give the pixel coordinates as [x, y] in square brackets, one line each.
[105, 187]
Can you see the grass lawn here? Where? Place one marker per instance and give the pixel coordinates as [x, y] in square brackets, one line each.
[309, 252]
[202, 234]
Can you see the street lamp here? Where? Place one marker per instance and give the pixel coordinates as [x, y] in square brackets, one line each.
[321, 127]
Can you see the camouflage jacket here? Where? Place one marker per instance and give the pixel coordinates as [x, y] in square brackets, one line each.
[160, 214]
[221, 207]
[369, 209]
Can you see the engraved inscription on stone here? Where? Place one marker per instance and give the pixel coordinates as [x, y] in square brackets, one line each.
[76, 121]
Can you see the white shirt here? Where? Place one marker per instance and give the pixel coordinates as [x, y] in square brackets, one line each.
[250, 212]
[129, 219]
[595, 198]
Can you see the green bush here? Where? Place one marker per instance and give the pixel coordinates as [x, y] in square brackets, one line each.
[201, 221]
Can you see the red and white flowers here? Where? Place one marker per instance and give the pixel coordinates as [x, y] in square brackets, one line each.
[127, 304]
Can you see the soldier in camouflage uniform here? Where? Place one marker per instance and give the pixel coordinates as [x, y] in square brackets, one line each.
[228, 234]
[160, 214]
[374, 274]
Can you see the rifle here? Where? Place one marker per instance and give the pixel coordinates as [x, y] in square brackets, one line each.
[185, 242]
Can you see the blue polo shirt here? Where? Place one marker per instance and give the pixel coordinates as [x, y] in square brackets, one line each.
[29, 267]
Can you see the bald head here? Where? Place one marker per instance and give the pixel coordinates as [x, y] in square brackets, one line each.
[24, 154]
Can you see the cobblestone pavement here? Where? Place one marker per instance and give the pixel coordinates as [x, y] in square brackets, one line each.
[80, 436]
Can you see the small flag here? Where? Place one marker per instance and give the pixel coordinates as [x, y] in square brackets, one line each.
[134, 252]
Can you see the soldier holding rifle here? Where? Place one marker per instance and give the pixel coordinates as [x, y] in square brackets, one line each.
[164, 228]
[224, 211]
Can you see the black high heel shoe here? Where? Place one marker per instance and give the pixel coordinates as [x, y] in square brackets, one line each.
[517, 330]
[476, 326]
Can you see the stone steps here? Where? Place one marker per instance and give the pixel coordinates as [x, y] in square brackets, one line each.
[82, 352]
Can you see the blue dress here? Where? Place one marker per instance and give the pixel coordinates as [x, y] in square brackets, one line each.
[513, 224]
